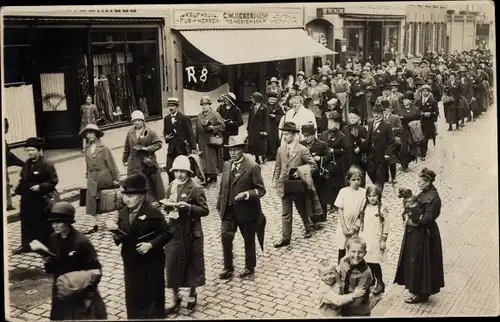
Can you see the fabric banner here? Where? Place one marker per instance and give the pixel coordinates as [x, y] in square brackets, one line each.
[19, 108]
[192, 99]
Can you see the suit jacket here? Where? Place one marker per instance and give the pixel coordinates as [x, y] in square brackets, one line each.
[429, 106]
[300, 155]
[184, 140]
[394, 121]
[247, 179]
[465, 87]
[380, 142]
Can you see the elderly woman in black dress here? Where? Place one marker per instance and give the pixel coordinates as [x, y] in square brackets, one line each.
[420, 266]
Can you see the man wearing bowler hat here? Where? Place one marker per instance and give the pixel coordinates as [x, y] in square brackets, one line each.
[178, 133]
[239, 206]
[291, 155]
[380, 145]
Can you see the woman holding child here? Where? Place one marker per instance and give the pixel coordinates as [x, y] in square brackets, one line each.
[420, 267]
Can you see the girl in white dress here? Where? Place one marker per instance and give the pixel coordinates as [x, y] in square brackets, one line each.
[349, 202]
[374, 228]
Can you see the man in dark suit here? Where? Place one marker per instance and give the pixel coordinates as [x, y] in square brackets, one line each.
[430, 113]
[380, 146]
[239, 206]
[178, 133]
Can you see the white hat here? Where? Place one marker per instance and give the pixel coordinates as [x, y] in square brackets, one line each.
[273, 80]
[137, 115]
[231, 98]
[301, 73]
[181, 163]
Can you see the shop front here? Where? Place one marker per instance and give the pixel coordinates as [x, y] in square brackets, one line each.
[52, 63]
[235, 49]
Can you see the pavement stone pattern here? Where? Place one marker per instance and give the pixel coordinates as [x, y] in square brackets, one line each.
[285, 283]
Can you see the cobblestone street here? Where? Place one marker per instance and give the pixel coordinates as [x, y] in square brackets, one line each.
[285, 281]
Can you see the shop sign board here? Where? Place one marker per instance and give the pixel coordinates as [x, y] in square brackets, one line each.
[87, 11]
[275, 18]
[373, 9]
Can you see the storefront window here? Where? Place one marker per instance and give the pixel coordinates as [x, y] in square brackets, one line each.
[201, 73]
[17, 53]
[125, 74]
[355, 38]
[393, 41]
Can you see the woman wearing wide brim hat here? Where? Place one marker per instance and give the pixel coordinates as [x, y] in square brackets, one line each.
[142, 232]
[38, 180]
[210, 127]
[101, 171]
[233, 119]
[139, 155]
[184, 252]
[75, 293]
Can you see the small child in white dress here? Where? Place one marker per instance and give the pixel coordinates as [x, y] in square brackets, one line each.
[349, 203]
[374, 228]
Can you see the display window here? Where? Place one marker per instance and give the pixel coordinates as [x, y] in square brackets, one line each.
[17, 52]
[125, 73]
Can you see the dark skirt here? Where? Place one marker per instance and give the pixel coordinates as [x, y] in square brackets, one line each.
[75, 308]
[428, 129]
[420, 266]
[34, 223]
[451, 113]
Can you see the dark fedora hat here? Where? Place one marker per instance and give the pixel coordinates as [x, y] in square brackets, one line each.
[62, 211]
[409, 95]
[34, 142]
[135, 184]
[272, 94]
[308, 129]
[378, 109]
[394, 84]
[385, 104]
[387, 86]
[257, 97]
[290, 127]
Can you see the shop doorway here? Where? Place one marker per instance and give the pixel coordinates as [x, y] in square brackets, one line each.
[374, 42]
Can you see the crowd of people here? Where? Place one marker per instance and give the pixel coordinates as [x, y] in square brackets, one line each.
[325, 134]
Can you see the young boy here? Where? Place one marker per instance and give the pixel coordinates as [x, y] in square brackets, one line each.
[355, 273]
[330, 298]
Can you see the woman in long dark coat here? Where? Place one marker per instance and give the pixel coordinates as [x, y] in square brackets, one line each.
[38, 179]
[233, 119]
[208, 124]
[357, 135]
[450, 109]
[258, 128]
[339, 147]
[139, 155]
[143, 232]
[76, 269]
[420, 266]
[101, 173]
[275, 114]
[186, 204]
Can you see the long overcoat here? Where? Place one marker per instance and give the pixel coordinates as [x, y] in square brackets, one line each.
[409, 148]
[420, 266]
[34, 209]
[428, 123]
[135, 158]
[395, 122]
[212, 156]
[74, 253]
[258, 121]
[101, 172]
[273, 139]
[144, 274]
[233, 119]
[339, 146]
[184, 252]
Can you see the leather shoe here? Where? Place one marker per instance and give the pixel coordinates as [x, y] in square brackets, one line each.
[20, 250]
[174, 308]
[414, 299]
[307, 234]
[379, 289]
[282, 243]
[191, 302]
[93, 230]
[246, 272]
[226, 274]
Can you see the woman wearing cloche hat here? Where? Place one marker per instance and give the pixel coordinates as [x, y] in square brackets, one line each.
[101, 172]
[210, 128]
[184, 205]
[38, 181]
[139, 155]
[142, 231]
[73, 261]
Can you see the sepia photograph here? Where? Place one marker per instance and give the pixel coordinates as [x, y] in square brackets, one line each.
[250, 161]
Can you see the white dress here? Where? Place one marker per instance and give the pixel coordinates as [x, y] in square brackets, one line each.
[371, 233]
[351, 202]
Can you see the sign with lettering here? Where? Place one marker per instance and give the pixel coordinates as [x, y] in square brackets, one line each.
[332, 11]
[374, 9]
[191, 74]
[88, 11]
[195, 19]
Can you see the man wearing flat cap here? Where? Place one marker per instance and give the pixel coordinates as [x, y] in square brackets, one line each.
[38, 181]
[258, 128]
[178, 133]
[380, 145]
[239, 206]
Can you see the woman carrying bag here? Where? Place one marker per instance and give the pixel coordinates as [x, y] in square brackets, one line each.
[102, 172]
[73, 261]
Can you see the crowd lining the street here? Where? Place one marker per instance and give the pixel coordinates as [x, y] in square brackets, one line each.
[325, 134]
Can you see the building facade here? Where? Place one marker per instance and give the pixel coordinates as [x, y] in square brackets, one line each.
[55, 59]
[461, 30]
[426, 28]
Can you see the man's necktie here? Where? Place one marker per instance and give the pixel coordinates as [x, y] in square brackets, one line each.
[289, 152]
[236, 167]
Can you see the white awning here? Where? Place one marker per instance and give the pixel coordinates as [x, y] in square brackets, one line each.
[231, 47]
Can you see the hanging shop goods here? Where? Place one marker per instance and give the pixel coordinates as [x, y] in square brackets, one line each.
[48, 100]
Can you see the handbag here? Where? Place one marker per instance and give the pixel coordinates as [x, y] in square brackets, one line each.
[215, 141]
[292, 186]
[109, 200]
[323, 173]
[51, 198]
